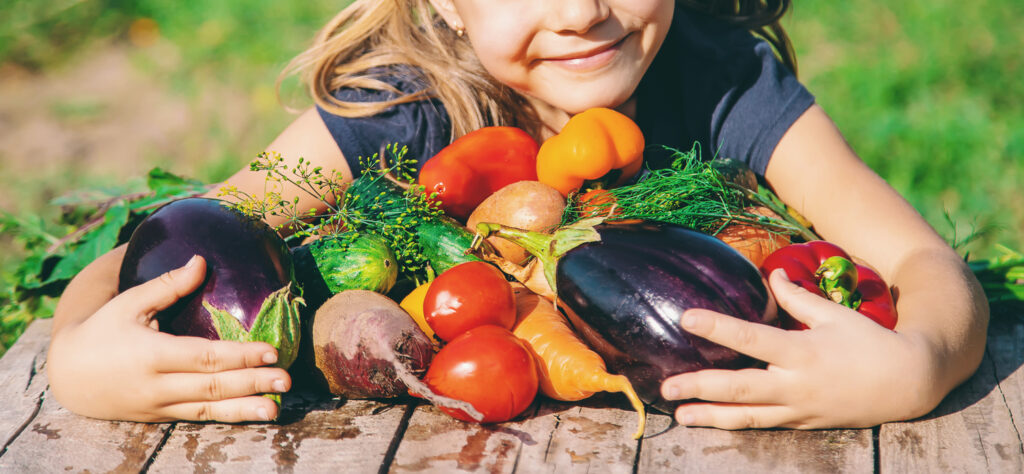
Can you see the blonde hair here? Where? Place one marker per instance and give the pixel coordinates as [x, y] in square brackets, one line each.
[371, 34]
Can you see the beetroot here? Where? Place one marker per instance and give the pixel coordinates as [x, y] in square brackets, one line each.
[247, 292]
[367, 346]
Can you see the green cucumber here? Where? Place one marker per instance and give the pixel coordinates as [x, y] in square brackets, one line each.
[362, 262]
[444, 243]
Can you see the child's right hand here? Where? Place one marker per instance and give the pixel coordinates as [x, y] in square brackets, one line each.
[117, 365]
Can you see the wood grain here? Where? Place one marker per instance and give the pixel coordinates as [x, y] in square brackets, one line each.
[57, 440]
[436, 442]
[673, 448]
[976, 428]
[595, 435]
[22, 380]
[311, 436]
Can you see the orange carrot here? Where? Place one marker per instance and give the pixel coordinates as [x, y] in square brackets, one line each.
[569, 370]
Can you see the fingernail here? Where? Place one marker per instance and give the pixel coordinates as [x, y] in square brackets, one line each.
[671, 393]
[262, 414]
[689, 320]
[278, 386]
[192, 261]
[783, 274]
[688, 419]
[269, 358]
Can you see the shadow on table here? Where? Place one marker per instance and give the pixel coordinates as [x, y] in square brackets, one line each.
[1004, 356]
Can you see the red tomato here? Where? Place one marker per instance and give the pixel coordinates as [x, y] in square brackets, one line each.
[468, 295]
[488, 367]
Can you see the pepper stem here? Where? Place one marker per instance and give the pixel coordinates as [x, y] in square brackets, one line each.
[838, 279]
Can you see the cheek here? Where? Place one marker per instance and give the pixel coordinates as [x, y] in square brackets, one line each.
[503, 52]
[648, 10]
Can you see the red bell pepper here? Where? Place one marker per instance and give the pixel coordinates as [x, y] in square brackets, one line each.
[825, 269]
[476, 165]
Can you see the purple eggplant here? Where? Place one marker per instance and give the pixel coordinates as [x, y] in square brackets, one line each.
[247, 294]
[625, 286]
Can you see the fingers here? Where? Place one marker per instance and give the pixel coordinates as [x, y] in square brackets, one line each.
[736, 417]
[194, 387]
[759, 341]
[804, 306]
[195, 354]
[163, 291]
[235, 410]
[730, 386]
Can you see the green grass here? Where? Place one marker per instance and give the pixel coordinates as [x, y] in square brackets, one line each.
[928, 92]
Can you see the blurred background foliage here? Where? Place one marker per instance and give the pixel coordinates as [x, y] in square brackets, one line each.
[95, 92]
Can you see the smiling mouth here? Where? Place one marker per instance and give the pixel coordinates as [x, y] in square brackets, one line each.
[589, 60]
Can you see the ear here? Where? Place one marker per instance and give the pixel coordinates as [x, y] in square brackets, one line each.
[446, 8]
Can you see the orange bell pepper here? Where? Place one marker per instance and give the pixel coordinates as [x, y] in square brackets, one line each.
[595, 145]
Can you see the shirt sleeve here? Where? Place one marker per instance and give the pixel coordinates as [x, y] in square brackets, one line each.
[751, 118]
[422, 126]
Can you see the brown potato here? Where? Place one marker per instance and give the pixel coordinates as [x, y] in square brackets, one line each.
[529, 205]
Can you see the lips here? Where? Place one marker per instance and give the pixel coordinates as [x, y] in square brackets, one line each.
[588, 60]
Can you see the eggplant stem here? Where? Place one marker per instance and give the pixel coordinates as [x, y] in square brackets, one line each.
[546, 248]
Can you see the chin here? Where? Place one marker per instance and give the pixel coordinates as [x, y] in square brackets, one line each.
[580, 100]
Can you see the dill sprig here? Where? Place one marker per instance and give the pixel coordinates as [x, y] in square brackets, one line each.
[692, 193]
[382, 201]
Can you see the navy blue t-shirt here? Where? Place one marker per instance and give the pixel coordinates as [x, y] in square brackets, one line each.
[710, 83]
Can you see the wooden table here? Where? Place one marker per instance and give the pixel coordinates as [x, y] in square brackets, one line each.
[976, 429]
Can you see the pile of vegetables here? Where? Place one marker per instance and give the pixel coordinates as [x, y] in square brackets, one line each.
[402, 287]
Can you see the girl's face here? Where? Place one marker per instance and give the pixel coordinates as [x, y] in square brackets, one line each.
[568, 54]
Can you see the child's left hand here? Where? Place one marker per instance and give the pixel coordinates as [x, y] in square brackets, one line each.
[845, 371]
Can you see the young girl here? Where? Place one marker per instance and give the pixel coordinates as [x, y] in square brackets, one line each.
[423, 73]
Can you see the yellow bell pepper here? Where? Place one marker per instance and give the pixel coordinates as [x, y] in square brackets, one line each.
[597, 144]
[413, 304]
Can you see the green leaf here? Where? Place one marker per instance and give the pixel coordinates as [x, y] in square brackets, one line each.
[227, 326]
[92, 196]
[29, 229]
[27, 273]
[165, 183]
[93, 244]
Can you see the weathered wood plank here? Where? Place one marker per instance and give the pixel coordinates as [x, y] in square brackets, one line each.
[1006, 349]
[436, 442]
[311, 436]
[22, 381]
[973, 429]
[673, 448]
[57, 440]
[595, 435]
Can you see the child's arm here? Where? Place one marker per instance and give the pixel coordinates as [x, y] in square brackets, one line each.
[106, 359]
[845, 371]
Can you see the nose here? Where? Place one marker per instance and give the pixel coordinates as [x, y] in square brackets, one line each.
[577, 16]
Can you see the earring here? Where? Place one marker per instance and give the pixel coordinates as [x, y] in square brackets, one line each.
[460, 31]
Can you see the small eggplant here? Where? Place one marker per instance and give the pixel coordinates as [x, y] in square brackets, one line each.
[625, 287]
[247, 294]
